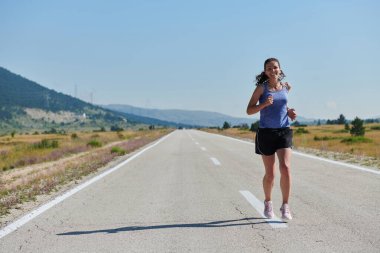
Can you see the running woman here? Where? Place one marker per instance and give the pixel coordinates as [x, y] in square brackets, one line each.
[274, 135]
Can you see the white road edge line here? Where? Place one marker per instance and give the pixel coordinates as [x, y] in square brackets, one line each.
[336, 162]
[203, 148]
[33, 214]
[275, 222]
[215, 161]
[347, 165]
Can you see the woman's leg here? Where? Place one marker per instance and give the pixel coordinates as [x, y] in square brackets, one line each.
[284, 156]
[268, 180]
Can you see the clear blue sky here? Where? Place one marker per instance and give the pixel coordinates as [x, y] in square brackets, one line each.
[198, 55]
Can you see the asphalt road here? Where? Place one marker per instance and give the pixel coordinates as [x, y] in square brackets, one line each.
[196, 192]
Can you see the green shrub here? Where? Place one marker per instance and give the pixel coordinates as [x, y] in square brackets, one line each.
[326, 138]
[375, 128]
[301, 130]
[118, 150]
[5, 168]
[357, 128]
[341, 131]
[226, 125]
[94, 143]
[356, 139]
[297, 124]
[45, 143]
[254, 126]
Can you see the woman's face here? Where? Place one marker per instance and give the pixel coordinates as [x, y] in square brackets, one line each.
[272, 70]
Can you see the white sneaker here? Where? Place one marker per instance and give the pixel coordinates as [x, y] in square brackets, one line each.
[285, 211]
[268, 209]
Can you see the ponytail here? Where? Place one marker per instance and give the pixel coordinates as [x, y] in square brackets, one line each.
[262, 78]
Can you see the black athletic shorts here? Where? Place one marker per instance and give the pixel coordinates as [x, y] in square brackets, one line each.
[268, 140]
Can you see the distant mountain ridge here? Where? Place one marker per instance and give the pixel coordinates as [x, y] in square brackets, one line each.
[27, 106]
[195, 118]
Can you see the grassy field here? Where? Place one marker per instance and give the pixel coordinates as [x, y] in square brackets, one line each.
[31, 165]
[330, 141]
[23, 150]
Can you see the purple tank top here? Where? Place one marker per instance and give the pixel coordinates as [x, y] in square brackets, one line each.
[275, 115]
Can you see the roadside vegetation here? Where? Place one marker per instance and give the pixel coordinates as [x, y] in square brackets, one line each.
[35, 164]
[357, 143]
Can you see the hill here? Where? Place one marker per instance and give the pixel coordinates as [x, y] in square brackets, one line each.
[28, 106]
[194, 118]
[16, 90]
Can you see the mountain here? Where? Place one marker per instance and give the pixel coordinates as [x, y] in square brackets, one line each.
[194, 118]
[154, 121]
[27, 106]
[16, 90]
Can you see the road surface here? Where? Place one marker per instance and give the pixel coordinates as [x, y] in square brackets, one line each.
[200, 192]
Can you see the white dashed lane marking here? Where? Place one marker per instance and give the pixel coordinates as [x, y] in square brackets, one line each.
[215, 161]
[275, 222]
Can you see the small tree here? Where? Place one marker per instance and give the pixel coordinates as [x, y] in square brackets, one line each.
[226, 125]
[341, 120]
[254, 126]
[357, 128]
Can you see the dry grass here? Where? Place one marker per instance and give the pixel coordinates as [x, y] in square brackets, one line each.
[23, 150]
[25, 183]
[327, 140]
[330, 138]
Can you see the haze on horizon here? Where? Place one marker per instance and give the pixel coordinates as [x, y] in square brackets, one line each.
[198, 55]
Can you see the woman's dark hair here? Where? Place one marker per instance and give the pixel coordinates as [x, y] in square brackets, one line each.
[260, 79]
